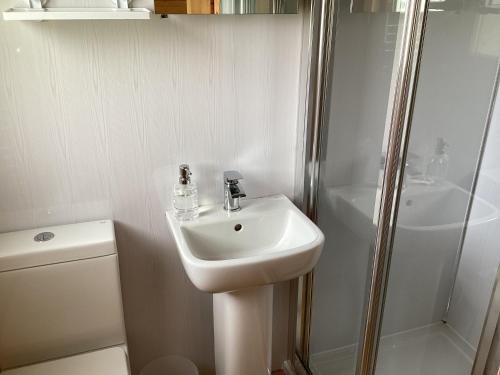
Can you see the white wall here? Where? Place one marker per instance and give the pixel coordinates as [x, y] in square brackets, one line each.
[481, 252]
[454, 91]
[96, 116]
[452, 97]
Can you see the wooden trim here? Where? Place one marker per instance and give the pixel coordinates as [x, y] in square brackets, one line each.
[187, 6]
[199, 7]
[216, 4]
[170, 7]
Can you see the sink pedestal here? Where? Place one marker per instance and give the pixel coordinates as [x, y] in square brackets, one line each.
[243, 331]
[239, 256]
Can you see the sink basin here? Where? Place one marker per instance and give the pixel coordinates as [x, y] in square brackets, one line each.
[421, 208]
[268, 241]
[238, 256]
[430, 224]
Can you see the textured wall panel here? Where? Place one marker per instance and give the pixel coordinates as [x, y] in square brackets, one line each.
[95, 117]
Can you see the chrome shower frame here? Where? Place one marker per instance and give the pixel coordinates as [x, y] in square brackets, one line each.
[317, 50]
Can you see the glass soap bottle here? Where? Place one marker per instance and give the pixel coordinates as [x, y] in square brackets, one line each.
[438, 166]
[185, 196]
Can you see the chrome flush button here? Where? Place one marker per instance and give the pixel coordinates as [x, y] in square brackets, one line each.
[44, 236]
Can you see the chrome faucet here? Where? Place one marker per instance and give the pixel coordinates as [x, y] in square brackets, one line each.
[232, 191]
[412, 173]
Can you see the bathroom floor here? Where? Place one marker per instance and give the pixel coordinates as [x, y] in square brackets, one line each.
[431, 350]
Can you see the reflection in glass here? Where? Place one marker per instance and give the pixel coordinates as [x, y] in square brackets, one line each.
[365, 48]
[445, 256]
[226, 6]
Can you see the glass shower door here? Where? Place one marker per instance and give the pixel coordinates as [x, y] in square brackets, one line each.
[446, 248]
[359, 103]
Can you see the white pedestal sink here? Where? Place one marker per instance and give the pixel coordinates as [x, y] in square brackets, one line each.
[237, 255]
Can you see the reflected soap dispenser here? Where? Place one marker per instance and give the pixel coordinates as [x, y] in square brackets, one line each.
[185, 196]
[437, 169]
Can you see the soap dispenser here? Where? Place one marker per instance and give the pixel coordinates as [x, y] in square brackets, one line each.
[185, 196]
[437, 169]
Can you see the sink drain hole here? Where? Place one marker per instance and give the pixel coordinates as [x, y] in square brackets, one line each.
[238, 227]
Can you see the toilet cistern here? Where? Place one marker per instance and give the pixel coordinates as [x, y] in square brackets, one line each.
[232, 191]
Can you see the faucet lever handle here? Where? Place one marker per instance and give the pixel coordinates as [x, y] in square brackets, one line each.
[236, 191]
[232, 177]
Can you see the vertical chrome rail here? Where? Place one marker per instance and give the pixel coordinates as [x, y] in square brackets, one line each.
[397, 146]
[489, 327]
[323, 12]
[319, 52]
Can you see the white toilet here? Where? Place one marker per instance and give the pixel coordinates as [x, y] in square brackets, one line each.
[60, 302]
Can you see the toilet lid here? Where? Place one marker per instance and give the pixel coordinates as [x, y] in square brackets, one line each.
[110, 361]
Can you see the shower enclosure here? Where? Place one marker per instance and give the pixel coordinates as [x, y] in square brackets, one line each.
[402, 174]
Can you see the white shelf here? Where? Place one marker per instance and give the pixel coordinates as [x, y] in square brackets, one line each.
[55, 14]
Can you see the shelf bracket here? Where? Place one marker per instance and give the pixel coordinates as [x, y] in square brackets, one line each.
[36, 4]
[122, 4]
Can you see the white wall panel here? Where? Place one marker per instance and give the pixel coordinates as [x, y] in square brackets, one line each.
[95, 116]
